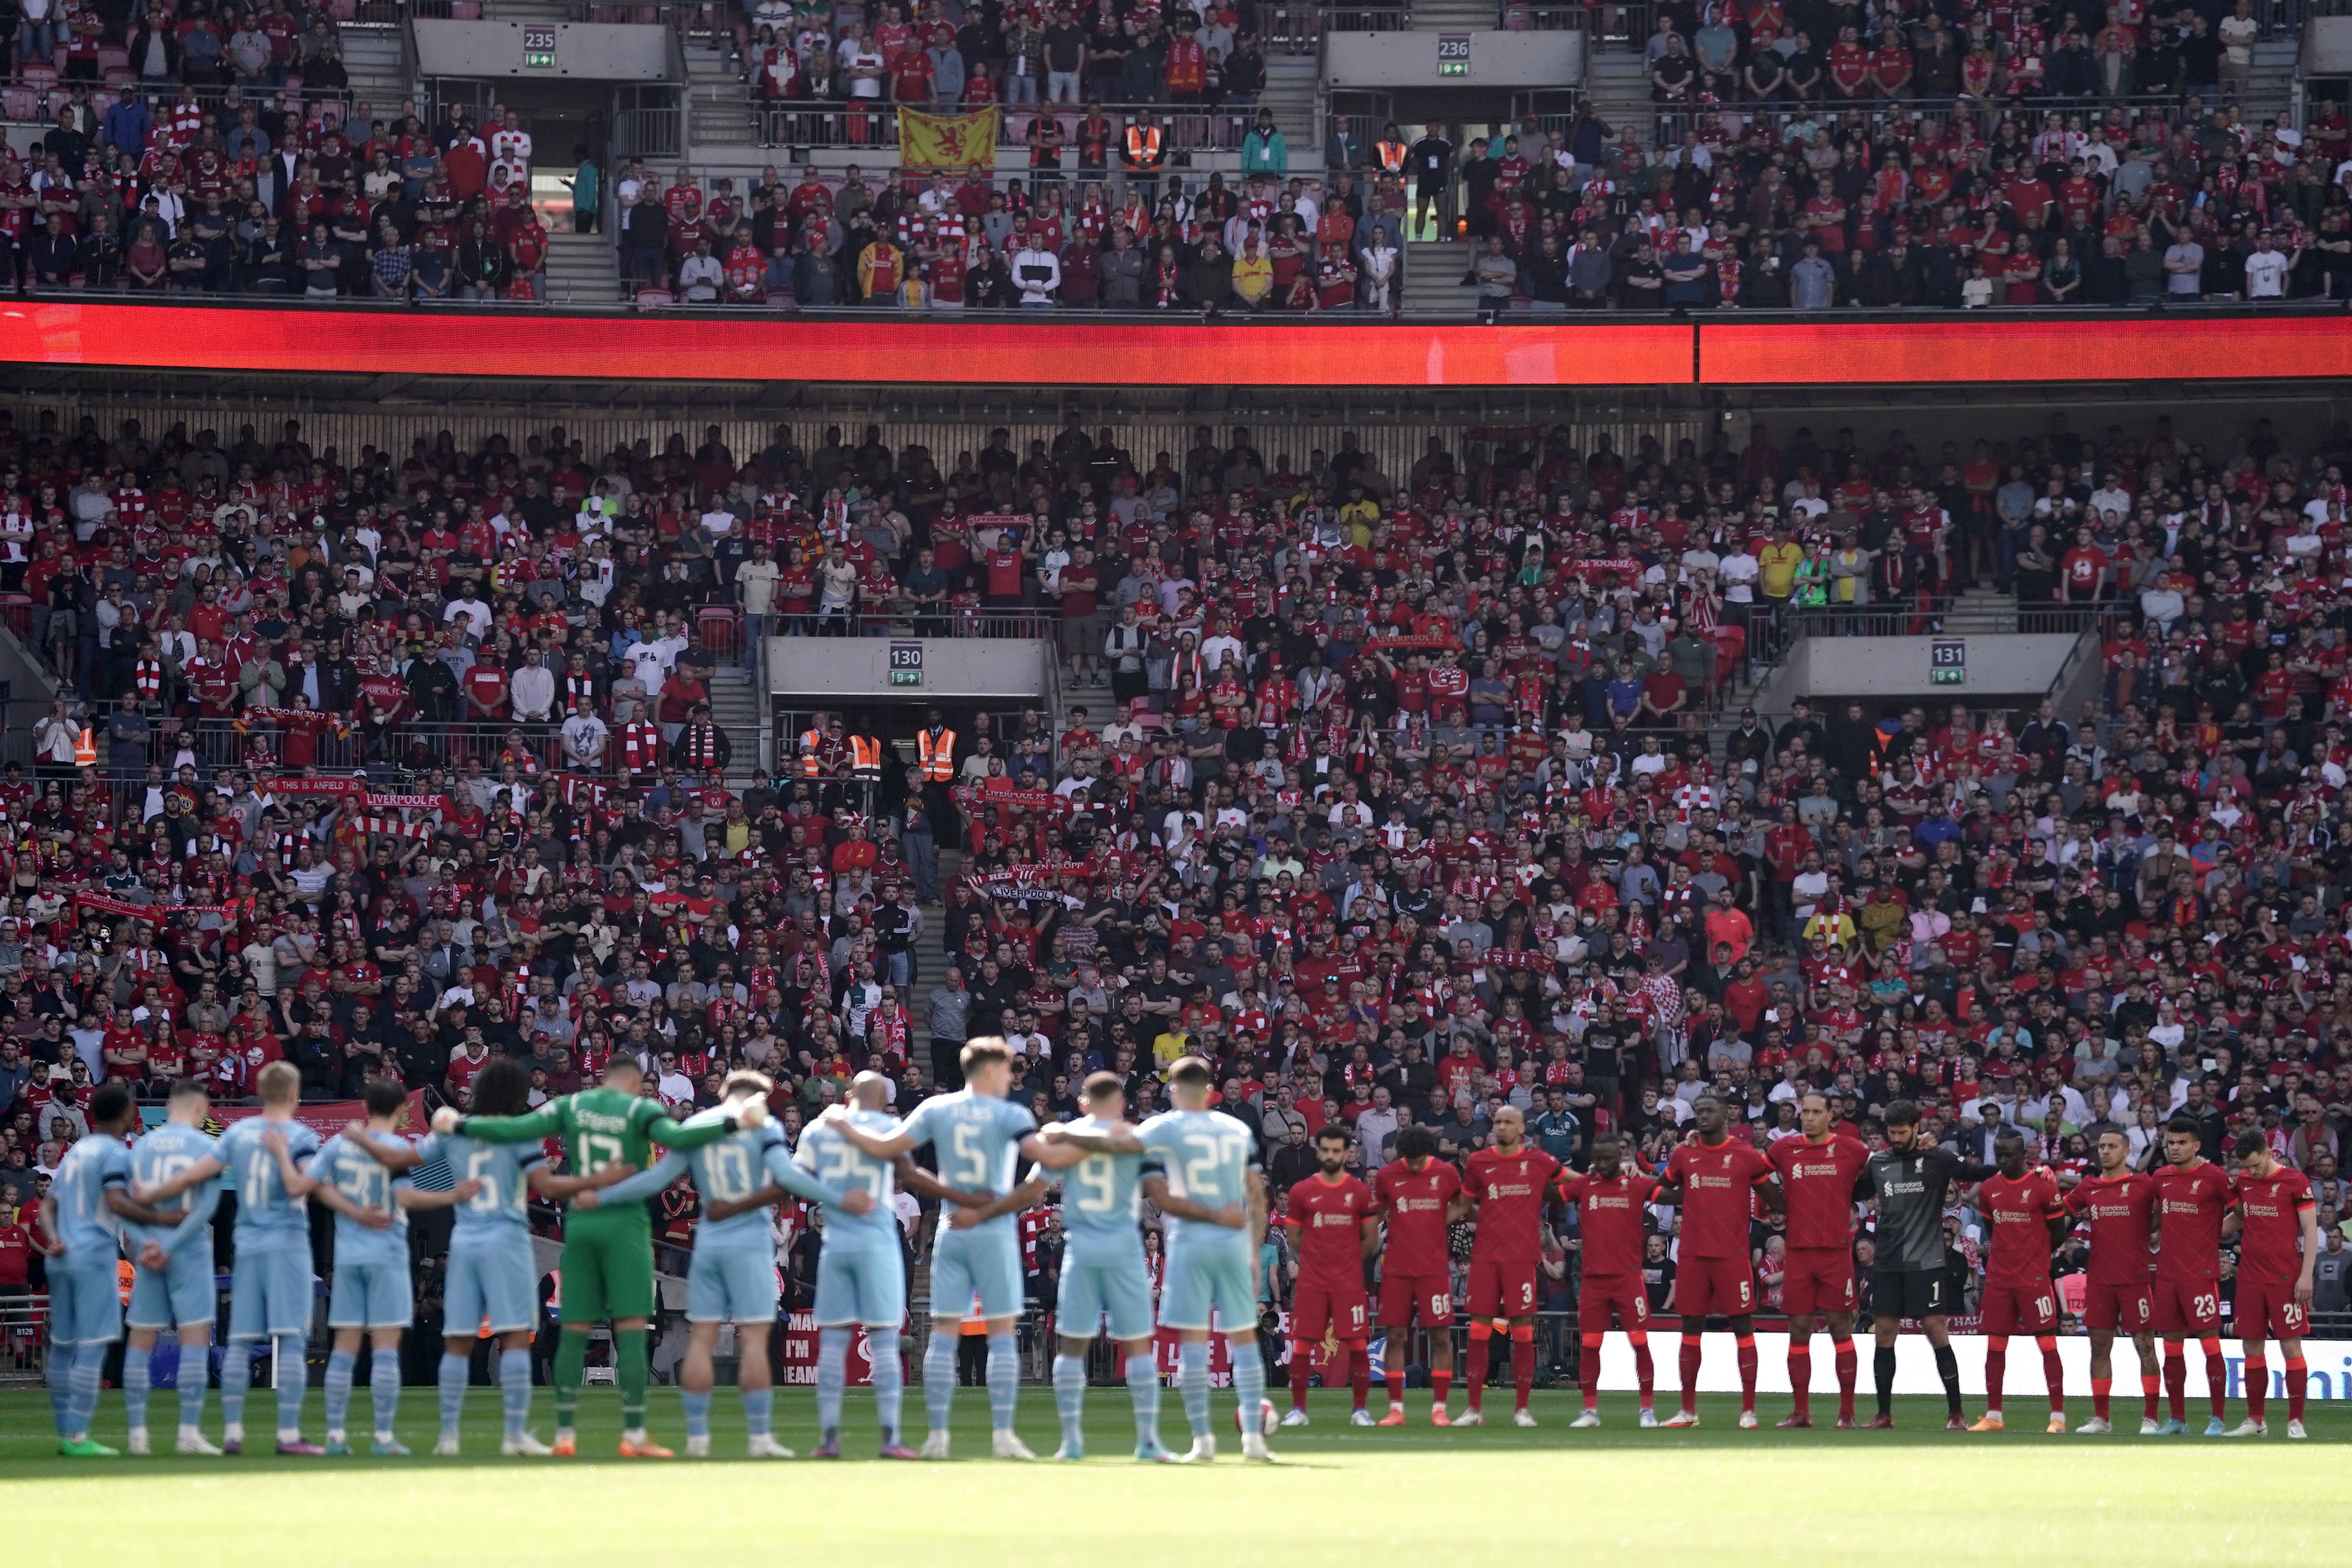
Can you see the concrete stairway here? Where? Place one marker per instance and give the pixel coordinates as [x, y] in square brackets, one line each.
[1433, 289]
[371, 60]
[583, 269]
[717, 118]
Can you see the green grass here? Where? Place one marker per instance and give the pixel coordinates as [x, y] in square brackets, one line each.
[1340, 1494]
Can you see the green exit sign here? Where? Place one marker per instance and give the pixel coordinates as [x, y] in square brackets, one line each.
[1948, 677]
[539, 59]
[1453, 68]
[906, 677]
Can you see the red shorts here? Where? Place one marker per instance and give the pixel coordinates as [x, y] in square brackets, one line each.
[2186, 1306]
[1315, 1308]
[2270, 1312]
[1501, 1289]
[2019, 1308]
[1605, 1303]
[1714, 1287]
[1817, 1279]
[2125, 1307]
[1430, 1295]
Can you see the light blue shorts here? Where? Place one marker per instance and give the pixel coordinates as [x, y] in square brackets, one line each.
[1204, 1280]
[861, 1285]
[180, 1295]
[730, 1285]
[984, 1263]
[490, 1283]
[371, 1296]
[1092, 1291]
[270, 1294]
[85, 1306]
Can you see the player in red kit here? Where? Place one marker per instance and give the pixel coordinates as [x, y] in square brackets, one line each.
[1334, 1215]
[2027, 1219]
[2276, 1251]
[1713, 1176]
[1609, 1202]
[2193, 1195]
[1820, 1175]
[1418, 1193]
[2120, 1204]
[1509, 1182]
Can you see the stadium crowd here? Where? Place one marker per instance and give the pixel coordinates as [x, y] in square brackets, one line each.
[1408, 801]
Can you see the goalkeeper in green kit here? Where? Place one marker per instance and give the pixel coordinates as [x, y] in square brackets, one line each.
[608, 1253]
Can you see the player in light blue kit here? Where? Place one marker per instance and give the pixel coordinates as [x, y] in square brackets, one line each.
[1209, 1188]
[85, 1211]
[493, 1275]
[371, 1295]
[177, 1295]
[1104, 1277]
[732, 1276]
[269, 1284]
[978, 1139]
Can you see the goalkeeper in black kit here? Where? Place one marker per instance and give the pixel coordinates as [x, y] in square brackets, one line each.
[1908, 1182]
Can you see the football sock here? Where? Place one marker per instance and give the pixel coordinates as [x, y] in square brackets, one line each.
[136, 1373]
[2258, 1383]
[1587, 1370]
[1394, 1377]
[2053, 1372]
[1882, 1372]
[1440, 1384]
[1360, 1373]
[1523, 1364]
[2103, 1391]
[1746, 1346]
[1473, 1376]
[697, 1412]
[1249, 1381]
[384, 1390]
[832, 1377]
[452, 1381]
[939, 1375]
[2217, 1376]
[571, 1363]
[2150, 1388]
[759, 1412]
[1070, 1398]
[236, 1376]
[1848, 1370]
[629, 1370]
[1947, 1367]
[1689, 1363]
[2298, 1383]
[1298, 1371]
[339, 1388]
[514, 1391]
[1004, 1380]
[1644, 1372]
[1192, 1374]
[59, 1377]
[1801, 1375]
[2176, 1379]
[1996, 1368]
[889, 1380]
[81, 1401]
[1143, 1393]
[193, 1377]
[293, 1386]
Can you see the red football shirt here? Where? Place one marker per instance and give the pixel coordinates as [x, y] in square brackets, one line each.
[1510, 1191]
[2271, 1246]
[2192, 1203]
[1716, 1183]
[2020, 1212]
[2118, 1208]
[1415, 1203]
[1818, 1179]
[1328, 1216]
[1610, 1221]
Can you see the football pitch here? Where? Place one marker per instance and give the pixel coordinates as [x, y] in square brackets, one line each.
[1340, 1494]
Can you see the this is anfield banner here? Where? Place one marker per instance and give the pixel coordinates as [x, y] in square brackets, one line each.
[947, 141]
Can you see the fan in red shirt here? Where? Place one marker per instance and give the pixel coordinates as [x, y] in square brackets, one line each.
[1819, 1174]
[1609, 1201]
[2193, 1194]
[1418, 1193]
[1712, 1176]
[2277, 1248]
[2121, 1205]
[1337, 1220]
[2026, 1218]
[1508, 1182]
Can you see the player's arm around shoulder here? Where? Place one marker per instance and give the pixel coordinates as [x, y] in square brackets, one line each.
[915, 1130]
[635, 1189]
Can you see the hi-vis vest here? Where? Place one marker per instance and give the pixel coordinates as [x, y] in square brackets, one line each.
[85, 747]
[936, 755]
[1143, 146]
[1393, 156]
[810, 740]
[865, 757]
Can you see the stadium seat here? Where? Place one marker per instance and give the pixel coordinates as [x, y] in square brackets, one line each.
[653, 298]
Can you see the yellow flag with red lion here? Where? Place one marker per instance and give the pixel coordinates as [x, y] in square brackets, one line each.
[947, 141]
